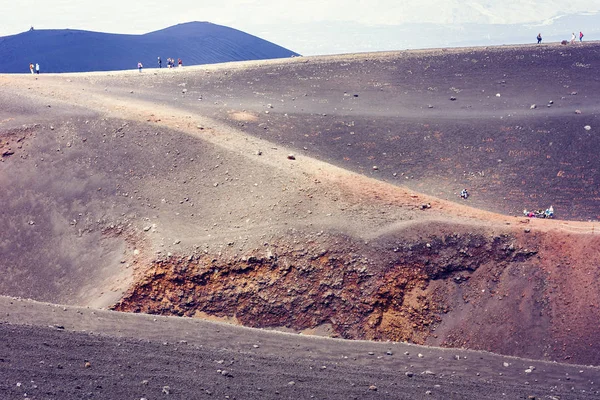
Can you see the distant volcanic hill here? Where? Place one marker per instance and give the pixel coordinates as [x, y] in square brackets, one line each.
[66, 50]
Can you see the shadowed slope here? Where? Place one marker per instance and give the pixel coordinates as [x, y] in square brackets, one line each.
[78, 51]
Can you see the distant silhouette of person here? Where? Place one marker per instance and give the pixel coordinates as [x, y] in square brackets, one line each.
[573, 38]
[580, 36]
[179, 63]
[31, 68]
[159, 63]
[539, 38]
[140, 66]
[37, 68]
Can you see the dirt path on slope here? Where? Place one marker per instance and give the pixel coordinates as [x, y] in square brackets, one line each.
[358, 188]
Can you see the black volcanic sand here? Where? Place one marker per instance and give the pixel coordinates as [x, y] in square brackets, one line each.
[373, 110]
[74, 353]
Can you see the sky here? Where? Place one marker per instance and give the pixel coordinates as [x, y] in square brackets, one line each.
[306, 26]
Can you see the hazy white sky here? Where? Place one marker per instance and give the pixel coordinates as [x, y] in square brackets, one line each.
[274, 18]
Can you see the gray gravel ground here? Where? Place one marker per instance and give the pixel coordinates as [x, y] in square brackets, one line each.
[56, 352]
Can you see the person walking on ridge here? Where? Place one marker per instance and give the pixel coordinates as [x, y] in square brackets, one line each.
[159, 63]
[539, 38]
[580, 36]
[31, 68]
[573, 38]
[37, 68]
[140, 66]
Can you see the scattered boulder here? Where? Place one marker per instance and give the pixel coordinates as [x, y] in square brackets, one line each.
[452, 98]
[587, 127]
[291, 156]
[533, 107]
[577, 111]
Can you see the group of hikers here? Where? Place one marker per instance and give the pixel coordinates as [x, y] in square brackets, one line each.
[573, 37]
[170, 63]
[34, 68]
[548, 213]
